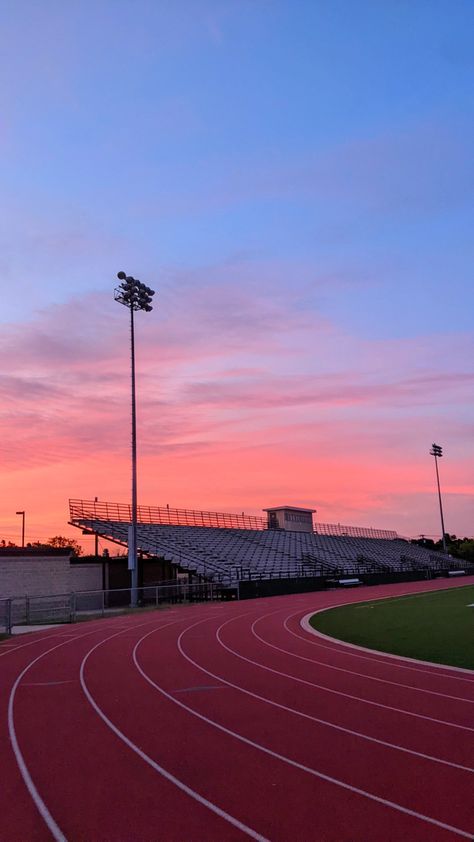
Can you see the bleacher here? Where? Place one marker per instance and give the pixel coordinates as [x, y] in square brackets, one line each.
[246, 550]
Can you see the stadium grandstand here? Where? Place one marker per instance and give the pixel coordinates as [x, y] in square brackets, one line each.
[230, 549]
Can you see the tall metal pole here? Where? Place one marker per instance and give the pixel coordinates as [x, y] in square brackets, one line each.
[133, 536]
[437, 451]
[440, 504]
[96, 536]
[136, 296]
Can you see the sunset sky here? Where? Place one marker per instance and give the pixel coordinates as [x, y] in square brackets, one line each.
[296, 181]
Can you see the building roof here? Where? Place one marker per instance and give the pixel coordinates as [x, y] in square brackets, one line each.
[290, 508]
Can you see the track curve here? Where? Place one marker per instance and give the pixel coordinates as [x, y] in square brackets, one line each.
[230, 721]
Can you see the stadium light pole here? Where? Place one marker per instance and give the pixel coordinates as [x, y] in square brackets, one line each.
[135, 296]
[22, 528]
[437, 452]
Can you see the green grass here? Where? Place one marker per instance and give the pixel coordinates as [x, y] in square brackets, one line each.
[436, 626]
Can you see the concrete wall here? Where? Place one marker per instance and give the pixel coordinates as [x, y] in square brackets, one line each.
[85, 577]
[43, 574]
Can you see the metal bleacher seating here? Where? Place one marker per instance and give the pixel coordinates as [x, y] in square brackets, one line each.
[227, 554]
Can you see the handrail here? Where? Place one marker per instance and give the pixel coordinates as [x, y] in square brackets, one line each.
[341, 531]
[83, 510]
[155, 515]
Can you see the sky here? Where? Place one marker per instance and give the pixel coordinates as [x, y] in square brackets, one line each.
[296, 182]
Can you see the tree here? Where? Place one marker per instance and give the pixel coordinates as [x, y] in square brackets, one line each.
[466, 549]
[60, 541]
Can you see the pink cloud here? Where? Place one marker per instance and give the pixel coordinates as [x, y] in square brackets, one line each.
[234, 412]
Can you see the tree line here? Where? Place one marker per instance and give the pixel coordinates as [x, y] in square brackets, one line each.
[457, 547]
[58, 542]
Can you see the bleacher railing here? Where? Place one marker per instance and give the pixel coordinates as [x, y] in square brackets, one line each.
[340, 531]
[80, 510]
[83, 510]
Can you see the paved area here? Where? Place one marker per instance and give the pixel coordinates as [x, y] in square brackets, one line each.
[27, 629]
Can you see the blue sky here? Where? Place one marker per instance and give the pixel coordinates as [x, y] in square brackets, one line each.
[313, 154]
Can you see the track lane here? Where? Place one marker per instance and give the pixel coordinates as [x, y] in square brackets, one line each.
[383, 767]
[424, 701]
[399, 671]
[275, 798]
[75, 760]
[407, 665]
[382, 723]
[252, 780]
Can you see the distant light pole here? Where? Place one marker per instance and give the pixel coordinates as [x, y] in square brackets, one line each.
[22, 528]
[437, 452]
[96, 537]
[135, 296]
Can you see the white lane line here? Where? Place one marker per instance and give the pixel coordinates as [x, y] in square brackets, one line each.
[345, 670]
[31, 787]
[348, 787]
[47, 683]
[51, 824]
[30, 643]
[317, 719]
[154, 765]
[350, 696]
[378, 656]
[306, 625]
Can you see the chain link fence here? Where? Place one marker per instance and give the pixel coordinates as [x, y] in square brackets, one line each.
[82, 605]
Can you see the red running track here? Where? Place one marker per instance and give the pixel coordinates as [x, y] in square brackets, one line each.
[231, 721]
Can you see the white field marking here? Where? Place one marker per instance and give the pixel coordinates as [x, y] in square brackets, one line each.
[315, 718]
[348, 787]
[149, 760]
[306, 625]
[351, 672]
[52, 826]
[377, 655]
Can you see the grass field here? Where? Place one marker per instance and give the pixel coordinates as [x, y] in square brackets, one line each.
[437, 626]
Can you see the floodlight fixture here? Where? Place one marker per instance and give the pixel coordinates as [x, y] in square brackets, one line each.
[437, 452]
[136, 296]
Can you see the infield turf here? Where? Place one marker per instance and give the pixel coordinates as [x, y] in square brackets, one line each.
[437, 626]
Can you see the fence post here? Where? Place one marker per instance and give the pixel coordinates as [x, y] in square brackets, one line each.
[72, 613]
[8, 616]
[156, 596]
[103, 603]
[27, 610]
